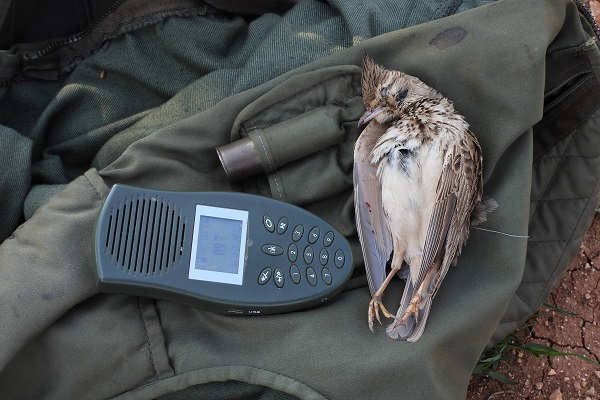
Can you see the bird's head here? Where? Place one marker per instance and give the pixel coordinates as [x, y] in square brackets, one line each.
[386, 93]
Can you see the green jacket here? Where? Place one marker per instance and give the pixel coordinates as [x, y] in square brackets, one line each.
[145, 95]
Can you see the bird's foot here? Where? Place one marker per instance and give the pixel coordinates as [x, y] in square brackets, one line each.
[413, 307]
[374, 306]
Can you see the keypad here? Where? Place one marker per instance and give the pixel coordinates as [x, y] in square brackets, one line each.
[307, 259]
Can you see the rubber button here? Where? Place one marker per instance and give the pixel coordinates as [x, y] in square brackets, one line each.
[339, 258]
[311, 276]
[278, 277]
[309, 254]
[313, 235]
[293, 252]
[295, 274]
[268, 223]
[326, 275]
[328, 239]
[282, 225]
[264, 276]
[272, 249]
[297, 233]
[324, 256]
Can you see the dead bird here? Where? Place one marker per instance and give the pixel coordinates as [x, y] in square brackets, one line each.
[418, 189]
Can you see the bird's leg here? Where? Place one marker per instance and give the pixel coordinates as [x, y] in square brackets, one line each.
[375, 304]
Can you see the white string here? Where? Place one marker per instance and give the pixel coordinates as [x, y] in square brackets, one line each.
[500, 233]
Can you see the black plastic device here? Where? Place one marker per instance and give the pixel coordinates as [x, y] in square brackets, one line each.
[226, 252]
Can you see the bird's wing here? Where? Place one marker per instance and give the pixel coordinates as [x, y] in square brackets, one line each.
[371, 222]
[459, 188]
[469, 192]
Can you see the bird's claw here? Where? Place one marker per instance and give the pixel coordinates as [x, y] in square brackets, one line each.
[374, 306]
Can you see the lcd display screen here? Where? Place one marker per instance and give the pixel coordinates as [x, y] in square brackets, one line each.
[219, 245]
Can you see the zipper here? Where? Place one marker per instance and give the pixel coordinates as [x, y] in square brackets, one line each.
[78, 36]
[591, 42]
[73, 38]
[584, 76]
[589, 16]
[585, 79]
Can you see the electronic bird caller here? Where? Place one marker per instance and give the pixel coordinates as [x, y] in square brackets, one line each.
[231, 253]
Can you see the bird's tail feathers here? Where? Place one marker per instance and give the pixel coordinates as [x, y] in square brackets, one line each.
[413, 327]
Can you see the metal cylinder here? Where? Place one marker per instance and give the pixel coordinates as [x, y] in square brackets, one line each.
[240, 159]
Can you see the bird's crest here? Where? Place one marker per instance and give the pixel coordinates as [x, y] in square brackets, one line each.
[372, 75]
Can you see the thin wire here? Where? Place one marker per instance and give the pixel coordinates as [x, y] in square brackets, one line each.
[501, 233]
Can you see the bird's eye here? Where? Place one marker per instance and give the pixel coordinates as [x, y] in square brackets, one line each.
[384, 91]
[401, 95]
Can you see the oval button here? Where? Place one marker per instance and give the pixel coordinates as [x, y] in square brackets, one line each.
[282, 225]
[268, 223]
[272, 249]
[311, 276]
[326, 275]
[295, 274]
[328, 239]
[278, 277]
[297, 233]
[339, 259]
[309, 255]
[293, 252]
[313, 235]
[324, 256]
[264, 276]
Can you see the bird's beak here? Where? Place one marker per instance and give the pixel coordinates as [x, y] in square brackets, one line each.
[369, 115]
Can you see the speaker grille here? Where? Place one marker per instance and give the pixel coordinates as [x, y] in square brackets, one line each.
[145, 235]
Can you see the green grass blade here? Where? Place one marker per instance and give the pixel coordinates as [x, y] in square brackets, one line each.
[543, 350]
[560, 310]
[501, 378]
